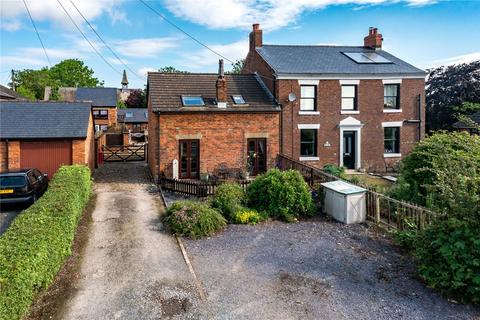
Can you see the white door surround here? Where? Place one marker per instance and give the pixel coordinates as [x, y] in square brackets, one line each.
[351, 124]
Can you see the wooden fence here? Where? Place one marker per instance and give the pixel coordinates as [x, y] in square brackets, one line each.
[196, 188]
[381, 209]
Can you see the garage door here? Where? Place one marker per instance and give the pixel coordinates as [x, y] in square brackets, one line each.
[47, 156]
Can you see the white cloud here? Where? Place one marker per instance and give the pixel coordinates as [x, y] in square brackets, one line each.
[465, 58]
[10, 25]
[271, 14]
[144, 47]
[204, 57]
[43, 10]
[143, 71]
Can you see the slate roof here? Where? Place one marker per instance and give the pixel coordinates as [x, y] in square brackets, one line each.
[166, 89]
[330, 61]
[9, 94]
[139, 115]
[100, 97]
[461, 125]
[33, 120]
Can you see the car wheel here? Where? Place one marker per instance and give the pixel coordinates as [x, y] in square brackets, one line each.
[34, 199]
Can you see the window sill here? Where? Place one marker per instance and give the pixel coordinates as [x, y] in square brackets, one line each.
[392, 110]
[392, 155]
[349, 112]
[308, 113]
[309, 158]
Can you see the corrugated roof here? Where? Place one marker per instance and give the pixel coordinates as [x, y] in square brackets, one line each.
[100, 97]
[166, 89]
[139, 115]
[330, 61]
[32, 120]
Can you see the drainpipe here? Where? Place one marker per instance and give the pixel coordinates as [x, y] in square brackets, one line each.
[420, 117]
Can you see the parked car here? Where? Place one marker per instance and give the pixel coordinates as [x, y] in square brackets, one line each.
[22, 186]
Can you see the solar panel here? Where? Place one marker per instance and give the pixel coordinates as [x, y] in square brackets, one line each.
[366, 57]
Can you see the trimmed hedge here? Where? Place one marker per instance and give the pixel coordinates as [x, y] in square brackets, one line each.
[35, 246]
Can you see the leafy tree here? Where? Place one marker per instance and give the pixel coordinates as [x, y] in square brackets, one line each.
[237, 67]
[136, 99]
[448, 88]
[170, 69]
[121, 104]
[68, 73]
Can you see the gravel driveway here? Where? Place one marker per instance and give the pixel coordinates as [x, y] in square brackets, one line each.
[312, 270]
[132, 268]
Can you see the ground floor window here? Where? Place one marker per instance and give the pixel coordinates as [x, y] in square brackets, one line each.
[392, 139]
[308, 142]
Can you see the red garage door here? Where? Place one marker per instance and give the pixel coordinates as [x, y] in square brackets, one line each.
[47, 156]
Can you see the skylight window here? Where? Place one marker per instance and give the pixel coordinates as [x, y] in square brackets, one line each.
[238, 99]
[366, 57]
[189, 101]
[128, 114]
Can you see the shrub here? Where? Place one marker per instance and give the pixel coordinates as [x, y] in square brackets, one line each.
[281, 194]
[228, 199]
[335, 170]
[247, 216]
[448, 257]
[35, 246]
[194, 219]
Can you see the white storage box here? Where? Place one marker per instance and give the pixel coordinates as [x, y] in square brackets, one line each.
[345, 202]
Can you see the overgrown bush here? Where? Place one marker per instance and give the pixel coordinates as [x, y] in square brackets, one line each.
[229, 198]
[281, 194]
[335, 170]
[194, 219]
[448, 257]
[247, 216]
[35, 246]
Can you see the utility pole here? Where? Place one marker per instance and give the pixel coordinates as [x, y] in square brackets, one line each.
[13, 80]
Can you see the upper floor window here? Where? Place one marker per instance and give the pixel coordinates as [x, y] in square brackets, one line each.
[308, 101]
[391, 96]
[192, 101]
[349, 97]
[391, 139]
[308, 142]
[100, 114]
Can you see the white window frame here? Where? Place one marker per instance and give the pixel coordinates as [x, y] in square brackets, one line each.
[315, 88]
[393, 124]
[315, 126]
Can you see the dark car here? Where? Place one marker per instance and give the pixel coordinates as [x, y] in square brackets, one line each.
[22, 186]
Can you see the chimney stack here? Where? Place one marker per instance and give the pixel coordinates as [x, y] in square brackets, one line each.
[221, 86]
[374, 39]
[256, 37]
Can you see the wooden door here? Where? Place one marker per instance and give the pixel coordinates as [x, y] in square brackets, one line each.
[349, 149]
[189, 159]
[257, 155]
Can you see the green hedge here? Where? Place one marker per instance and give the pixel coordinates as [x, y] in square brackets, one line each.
[35, 246]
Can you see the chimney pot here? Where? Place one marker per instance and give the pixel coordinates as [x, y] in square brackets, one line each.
[221, 72]
[256, 37]
[256, 26]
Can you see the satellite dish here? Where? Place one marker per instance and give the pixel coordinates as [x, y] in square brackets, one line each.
[292, 97]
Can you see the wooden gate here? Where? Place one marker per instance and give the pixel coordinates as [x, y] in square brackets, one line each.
[124, 153]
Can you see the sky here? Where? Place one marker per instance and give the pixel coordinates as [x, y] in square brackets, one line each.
[425, 33]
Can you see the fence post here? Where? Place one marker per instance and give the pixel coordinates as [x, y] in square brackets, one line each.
[377, 209]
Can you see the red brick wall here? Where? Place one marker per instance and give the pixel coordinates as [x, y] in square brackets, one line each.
[223, 138]
[153, 131]
[14, 155]
[3, 156]
[112, 117]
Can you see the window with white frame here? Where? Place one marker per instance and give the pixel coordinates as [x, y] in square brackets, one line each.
[308, 142]
[391, 96]
[391, 140]
[349, 97]
[308, 101]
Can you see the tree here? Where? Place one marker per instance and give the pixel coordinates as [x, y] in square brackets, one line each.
[448, 88]
[136, 99]
[170, 69]
[68, 73]
[237, 67]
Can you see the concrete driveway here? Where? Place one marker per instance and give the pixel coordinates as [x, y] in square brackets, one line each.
[132, 268]
[7, 215]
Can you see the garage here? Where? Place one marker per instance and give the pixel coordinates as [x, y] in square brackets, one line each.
[47, 156]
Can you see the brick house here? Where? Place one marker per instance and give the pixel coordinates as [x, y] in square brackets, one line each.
[104, 105]
[355, 106]
[45, 135]
[211, 124]
[134, 124]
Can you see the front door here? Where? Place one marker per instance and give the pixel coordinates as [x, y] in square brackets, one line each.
[349, 149]
[257, 155]
[189, 159]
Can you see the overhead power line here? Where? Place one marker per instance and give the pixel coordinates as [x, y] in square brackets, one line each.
[85, 37]
[38, 34]
[195, 39]
[105, 43]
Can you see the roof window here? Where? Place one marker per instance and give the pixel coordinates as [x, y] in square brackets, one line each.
[238, 99]
[366, 57]
[192, 101]
[128, 114]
